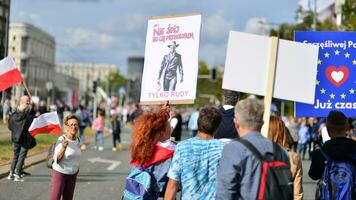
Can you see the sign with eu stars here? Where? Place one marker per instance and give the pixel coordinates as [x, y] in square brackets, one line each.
[336, 75]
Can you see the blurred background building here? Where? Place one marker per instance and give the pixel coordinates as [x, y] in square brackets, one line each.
[4, 30]
[33, 51]
[325, 9]
[86, 73]
[134, 78]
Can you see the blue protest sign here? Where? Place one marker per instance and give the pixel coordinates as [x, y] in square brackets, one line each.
[336, 76]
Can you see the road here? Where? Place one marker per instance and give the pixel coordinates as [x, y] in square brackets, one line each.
[96, 179]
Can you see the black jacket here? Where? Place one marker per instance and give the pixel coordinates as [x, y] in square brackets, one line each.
[339, 149]
[226, 128]
[19, 123]
[177, 131]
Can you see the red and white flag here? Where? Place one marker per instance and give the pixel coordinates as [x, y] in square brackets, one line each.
[9, 74]
[47, 123]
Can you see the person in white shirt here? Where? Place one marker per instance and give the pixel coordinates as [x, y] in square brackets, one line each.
[66, 158]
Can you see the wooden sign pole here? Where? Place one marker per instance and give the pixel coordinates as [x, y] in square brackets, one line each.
[270, 85]
[26, 88]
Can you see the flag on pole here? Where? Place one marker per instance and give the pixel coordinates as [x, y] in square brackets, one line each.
[9, 74]
[47, 123]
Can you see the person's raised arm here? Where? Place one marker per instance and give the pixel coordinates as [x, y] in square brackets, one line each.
[62, 151]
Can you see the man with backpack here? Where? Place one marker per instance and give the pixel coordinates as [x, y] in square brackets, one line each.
[193, 168]
[22, 141]
[253, 167]
[334, 163]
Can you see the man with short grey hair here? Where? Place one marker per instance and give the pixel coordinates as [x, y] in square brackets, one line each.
[239, 171]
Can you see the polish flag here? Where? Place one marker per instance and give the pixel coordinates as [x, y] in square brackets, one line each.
[9, 74]
[47, 123]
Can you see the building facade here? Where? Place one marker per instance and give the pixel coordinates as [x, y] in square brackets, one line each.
[33, 51]
[134, 78]
[4, 32]
[325, 10]
[86, 73]
[4, 26]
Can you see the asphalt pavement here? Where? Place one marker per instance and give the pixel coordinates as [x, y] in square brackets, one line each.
[101, 176]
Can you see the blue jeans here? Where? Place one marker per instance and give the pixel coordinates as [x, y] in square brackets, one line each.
[301, 150]
[81, 134]
[100, 135]
[19, 158]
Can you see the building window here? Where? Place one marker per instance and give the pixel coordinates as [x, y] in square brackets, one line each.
[23, 65]
[24, 44]
[13, 49]
[14, 38]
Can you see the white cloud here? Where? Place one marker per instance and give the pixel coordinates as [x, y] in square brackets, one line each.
[132, 23]
[88, 39]
[28, 17]
[213, 54]
[216, 27]
[257, 25]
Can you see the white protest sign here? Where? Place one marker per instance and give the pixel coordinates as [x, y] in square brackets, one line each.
[171, 59]
[270, 67]
[247, 63]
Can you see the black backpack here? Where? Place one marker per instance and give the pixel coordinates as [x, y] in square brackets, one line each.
[27, 141]
[49, 158]
[276, 180]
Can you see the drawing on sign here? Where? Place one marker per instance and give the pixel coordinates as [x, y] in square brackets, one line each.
[171, 63]
[337, 76]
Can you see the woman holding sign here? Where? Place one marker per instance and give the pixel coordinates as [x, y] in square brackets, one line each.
[152, 152]
[66, 157]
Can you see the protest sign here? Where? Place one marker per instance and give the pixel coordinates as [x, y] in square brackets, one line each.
[171, 59]
[270, 67]
[336, 77]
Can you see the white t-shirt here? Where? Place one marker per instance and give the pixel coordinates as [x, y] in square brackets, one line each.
[325, 135]
[70, 160]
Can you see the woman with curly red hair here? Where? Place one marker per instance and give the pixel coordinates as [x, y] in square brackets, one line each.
[151, 148]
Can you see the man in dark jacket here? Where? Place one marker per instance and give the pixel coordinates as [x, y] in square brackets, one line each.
[19, 123]
[338, 148]
[226, 129]
[176, 125]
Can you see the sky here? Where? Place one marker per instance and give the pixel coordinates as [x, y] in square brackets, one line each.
[108, 31]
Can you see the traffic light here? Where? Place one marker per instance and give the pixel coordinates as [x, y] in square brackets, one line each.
[94, 86]
[213, 74]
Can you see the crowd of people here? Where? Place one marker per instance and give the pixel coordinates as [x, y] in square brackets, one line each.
[226, 157]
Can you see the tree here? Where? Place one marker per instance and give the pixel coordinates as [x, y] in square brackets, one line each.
[208, 89]
[349, 15]
[112, 82]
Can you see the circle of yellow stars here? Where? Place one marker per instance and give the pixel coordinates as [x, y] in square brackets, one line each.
[323, 91]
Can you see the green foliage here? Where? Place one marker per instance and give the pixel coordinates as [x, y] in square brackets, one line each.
[113, 82]
[349, 15]
[208, 87]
